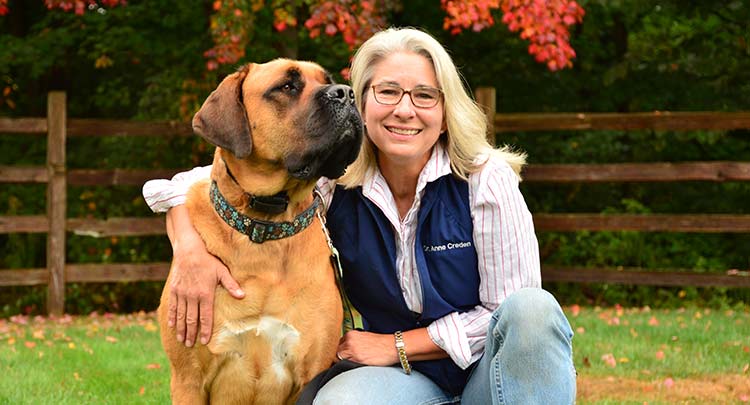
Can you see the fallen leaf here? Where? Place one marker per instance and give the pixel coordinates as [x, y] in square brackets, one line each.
[668, 382]
[575, 309]
[29, 344]
[586, 362]
[744, 369]
[142, 391]
[76, 376]
[71, 345]
[609, 360]
[653, 321]
[65, 319]
[660, 355]
[110, 339]
[580, 330]
[20, 319]
[744, 398]
[153, 366]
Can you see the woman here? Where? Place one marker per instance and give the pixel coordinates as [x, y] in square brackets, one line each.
[437, 244]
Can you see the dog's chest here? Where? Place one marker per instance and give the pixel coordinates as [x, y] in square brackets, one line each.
[245, 336]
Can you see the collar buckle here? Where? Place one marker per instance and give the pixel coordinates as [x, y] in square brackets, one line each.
[275, 204]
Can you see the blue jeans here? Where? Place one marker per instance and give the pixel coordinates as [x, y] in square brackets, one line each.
[528, 359]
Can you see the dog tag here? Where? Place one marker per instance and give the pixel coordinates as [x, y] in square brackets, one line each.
[337, 263]
[350, 321]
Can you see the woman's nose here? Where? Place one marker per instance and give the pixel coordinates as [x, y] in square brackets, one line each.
[405, 107]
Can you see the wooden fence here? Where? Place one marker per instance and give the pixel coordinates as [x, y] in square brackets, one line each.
[58, 127]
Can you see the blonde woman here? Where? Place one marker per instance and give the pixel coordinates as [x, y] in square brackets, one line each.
[437, 243]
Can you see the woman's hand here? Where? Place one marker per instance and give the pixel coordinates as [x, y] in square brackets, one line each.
[375, 349]
[372, 349]
[194, 275]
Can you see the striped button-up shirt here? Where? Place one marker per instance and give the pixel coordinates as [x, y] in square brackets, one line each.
[507, 249]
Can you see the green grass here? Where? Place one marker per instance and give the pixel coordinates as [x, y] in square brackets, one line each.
[661, 343]
[118, 359]
[88, 360]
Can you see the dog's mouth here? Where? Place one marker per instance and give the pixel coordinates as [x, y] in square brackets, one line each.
[301, 173]
[334, 135]
[328, 160]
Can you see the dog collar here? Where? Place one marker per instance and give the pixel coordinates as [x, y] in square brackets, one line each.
[275, 204]
[258, 230]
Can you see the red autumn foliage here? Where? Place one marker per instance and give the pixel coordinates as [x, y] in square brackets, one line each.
[80, 6]
[544, 23]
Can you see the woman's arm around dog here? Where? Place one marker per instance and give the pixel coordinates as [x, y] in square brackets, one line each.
[195, 274]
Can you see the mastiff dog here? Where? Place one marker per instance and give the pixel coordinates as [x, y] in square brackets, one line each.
[278, 127]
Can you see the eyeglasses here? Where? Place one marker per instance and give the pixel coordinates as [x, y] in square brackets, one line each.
[421, 96]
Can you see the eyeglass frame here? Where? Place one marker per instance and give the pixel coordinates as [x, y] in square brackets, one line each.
[404, 91]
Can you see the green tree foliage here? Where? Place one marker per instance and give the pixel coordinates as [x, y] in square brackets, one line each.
[146, 61]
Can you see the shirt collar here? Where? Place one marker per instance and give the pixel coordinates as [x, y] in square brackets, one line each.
[436, 167]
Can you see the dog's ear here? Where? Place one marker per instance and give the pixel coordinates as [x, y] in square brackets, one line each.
[222, 119]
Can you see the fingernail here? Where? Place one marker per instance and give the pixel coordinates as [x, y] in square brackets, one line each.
[239, 292]
[170, 323]
[204, 340]
[180, 338]
[189, 343]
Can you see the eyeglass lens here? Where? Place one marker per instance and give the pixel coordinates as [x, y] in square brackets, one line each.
[424, 97]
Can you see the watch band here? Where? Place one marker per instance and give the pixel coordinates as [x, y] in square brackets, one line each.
[401, 348]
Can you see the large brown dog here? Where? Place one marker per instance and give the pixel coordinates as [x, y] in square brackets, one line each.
[278, 127]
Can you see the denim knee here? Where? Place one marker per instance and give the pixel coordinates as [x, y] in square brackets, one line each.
[531, 313]
[381, 386]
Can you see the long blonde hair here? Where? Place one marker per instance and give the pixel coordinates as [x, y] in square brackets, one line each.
[466, 123]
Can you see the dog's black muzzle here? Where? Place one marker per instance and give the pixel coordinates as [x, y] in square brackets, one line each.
[334, 135]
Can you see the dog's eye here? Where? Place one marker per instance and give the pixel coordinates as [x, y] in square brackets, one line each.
[289, 88]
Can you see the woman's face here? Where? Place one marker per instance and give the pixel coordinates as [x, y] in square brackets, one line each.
[404, 134]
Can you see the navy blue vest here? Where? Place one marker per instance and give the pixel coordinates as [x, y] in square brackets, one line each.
[446, 261]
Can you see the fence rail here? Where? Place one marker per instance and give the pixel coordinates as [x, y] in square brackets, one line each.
[57, 177]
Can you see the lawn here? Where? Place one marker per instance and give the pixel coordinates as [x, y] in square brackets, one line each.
[623, 355]
[640, 355]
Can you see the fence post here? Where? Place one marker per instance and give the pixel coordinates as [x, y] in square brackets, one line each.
[56, 201]
[485, 97]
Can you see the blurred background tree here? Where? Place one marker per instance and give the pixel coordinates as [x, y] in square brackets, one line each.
[159, 59]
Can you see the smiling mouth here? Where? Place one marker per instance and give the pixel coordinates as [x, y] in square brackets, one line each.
[403, 131]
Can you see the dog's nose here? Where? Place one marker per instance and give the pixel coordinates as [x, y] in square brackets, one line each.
[341, 93]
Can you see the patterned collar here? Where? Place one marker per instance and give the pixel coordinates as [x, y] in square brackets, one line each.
[258, 230]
